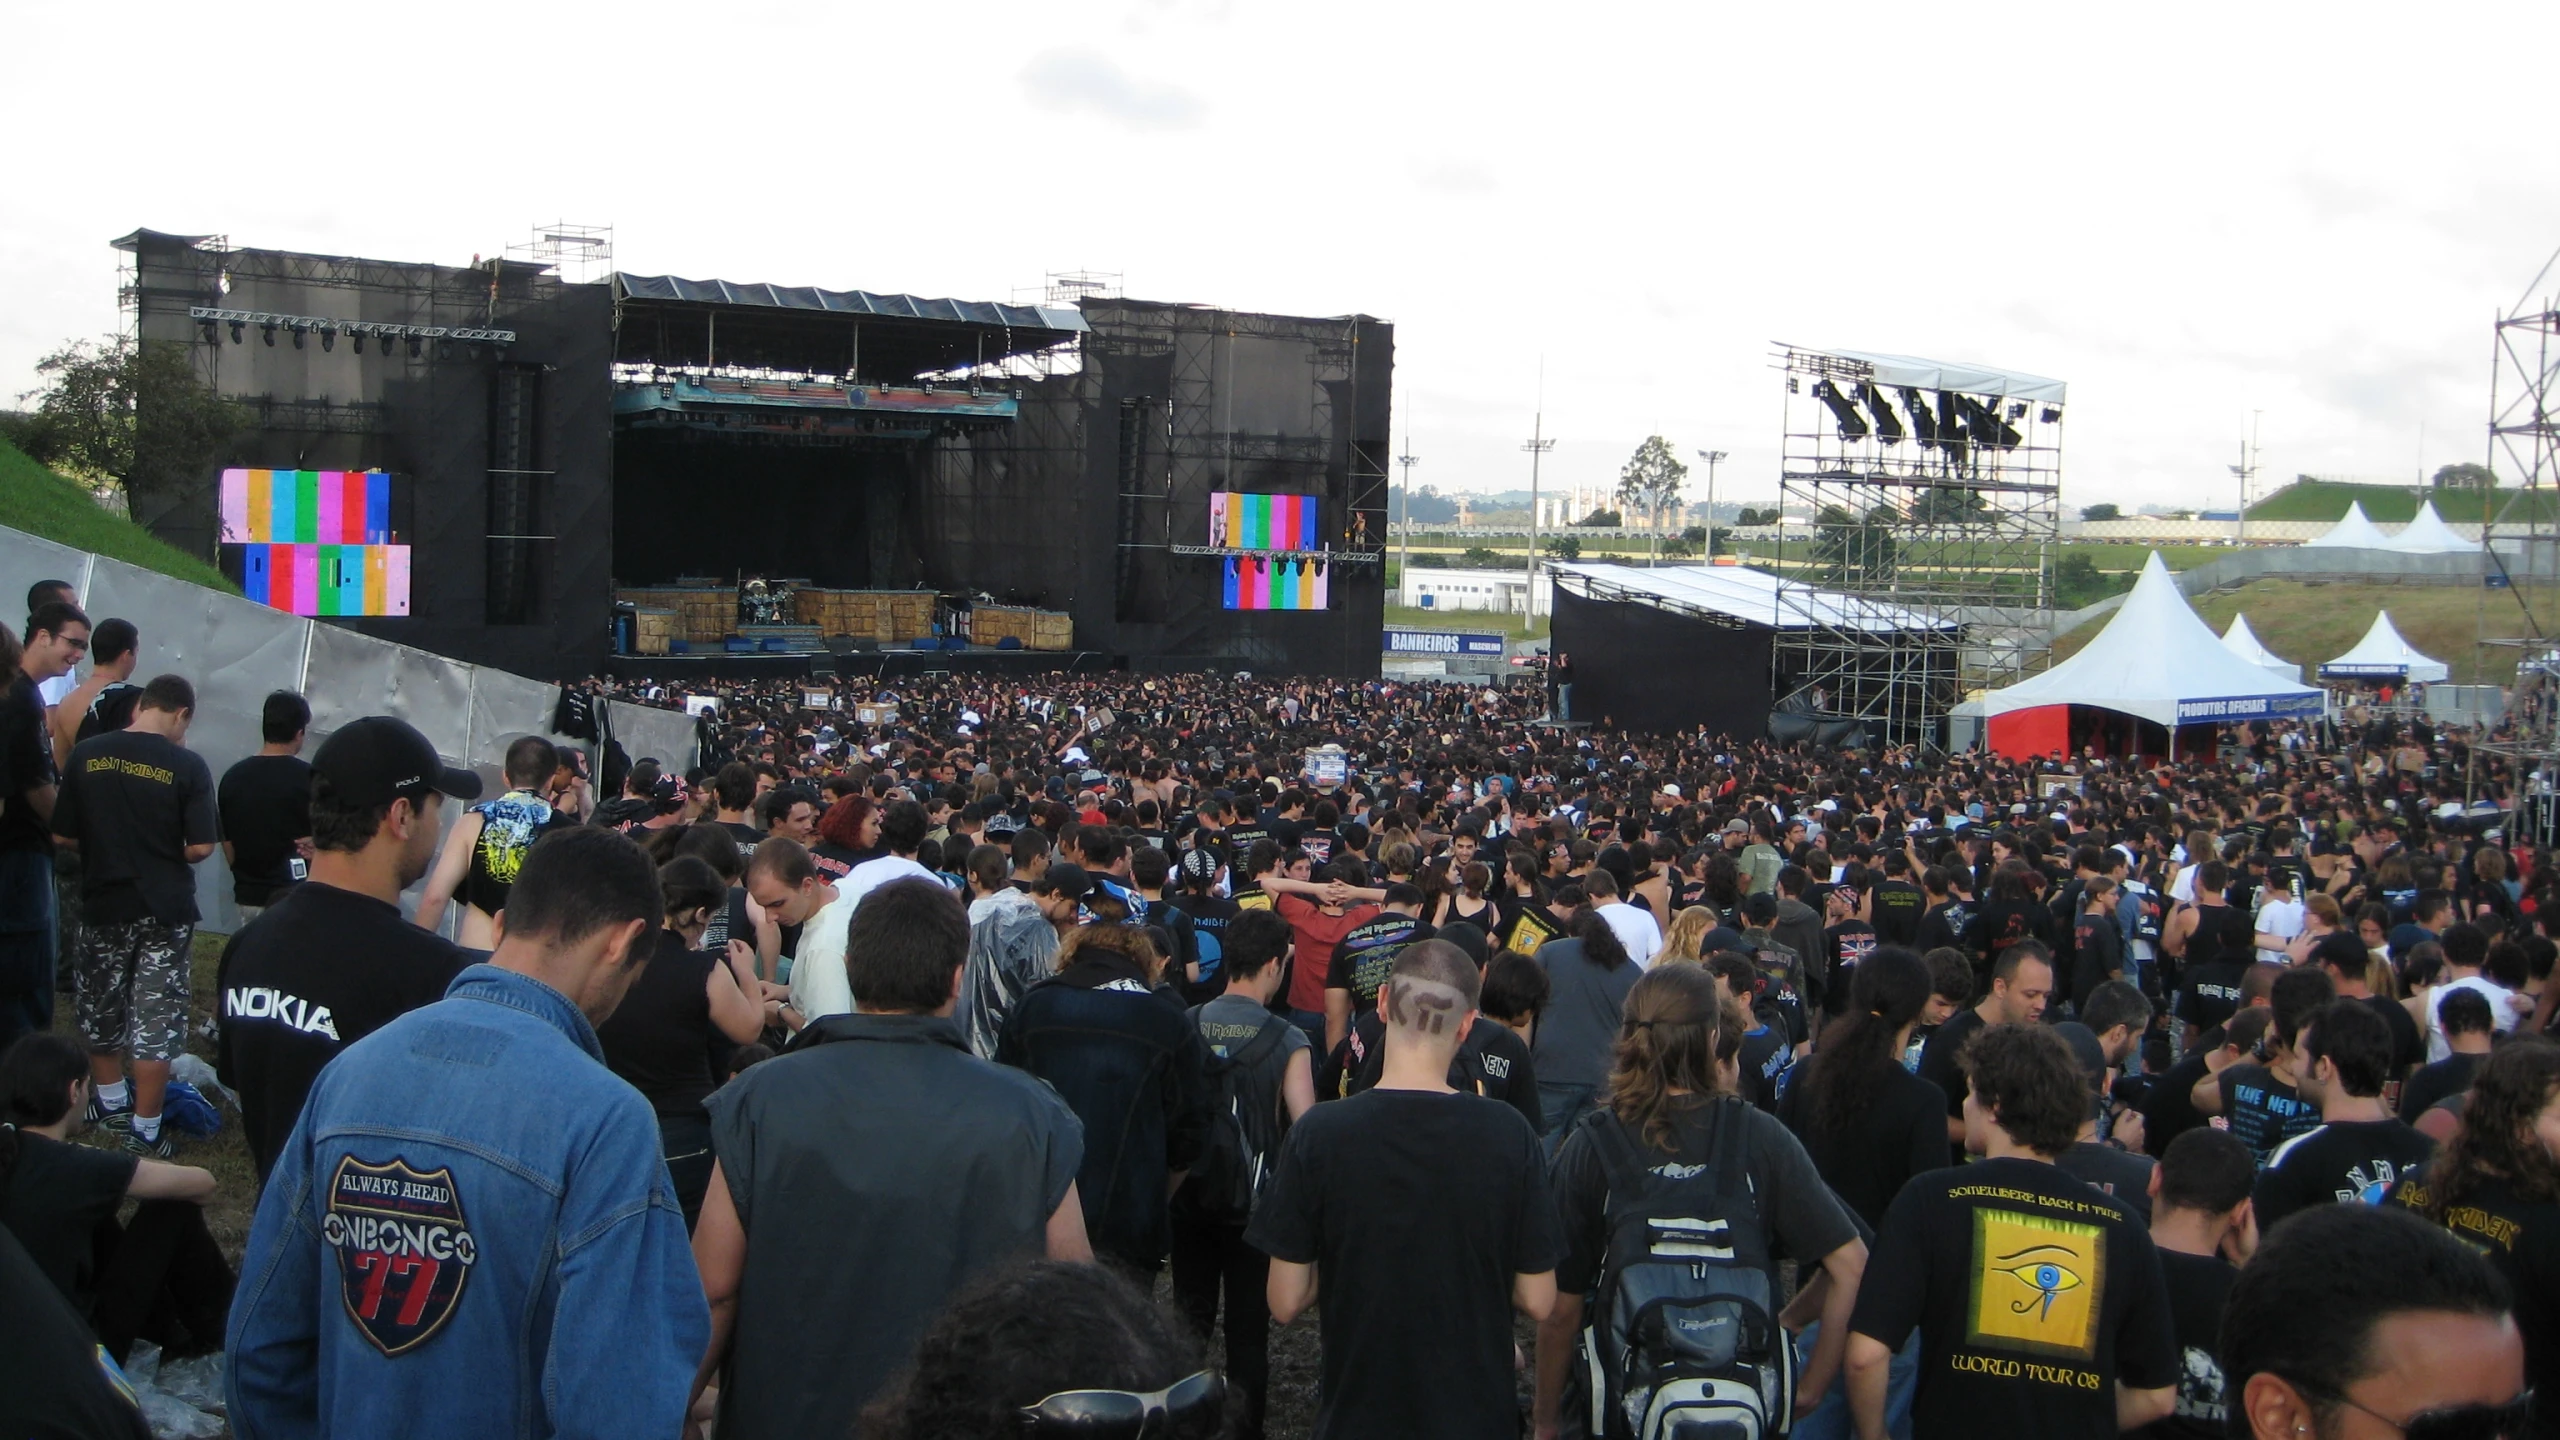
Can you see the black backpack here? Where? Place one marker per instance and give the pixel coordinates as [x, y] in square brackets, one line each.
[1682, 1337]
[1243, 1136]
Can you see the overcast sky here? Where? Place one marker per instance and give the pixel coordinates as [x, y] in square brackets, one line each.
[2189, 213]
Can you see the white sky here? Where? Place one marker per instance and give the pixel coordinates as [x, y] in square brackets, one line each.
[2189, 212]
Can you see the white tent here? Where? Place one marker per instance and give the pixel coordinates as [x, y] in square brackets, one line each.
[2158, 660]
[2244, 643]
[2354, 531]
[2428, 535]
[2383, 655]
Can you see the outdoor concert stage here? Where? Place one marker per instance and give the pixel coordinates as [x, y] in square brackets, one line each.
[1192, 486]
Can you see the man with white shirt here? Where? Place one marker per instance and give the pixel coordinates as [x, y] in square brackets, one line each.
[2466, 950]
[39, 595]
[902, 829]
[2279, 920]
[1634, 925]
[782, 881]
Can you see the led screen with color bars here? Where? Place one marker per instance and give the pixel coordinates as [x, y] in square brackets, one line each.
[1257, 584]
[314, 542]
[1238, 521]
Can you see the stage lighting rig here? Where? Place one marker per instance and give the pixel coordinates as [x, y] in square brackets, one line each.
[328, 337]
[1923, 424]
[2052, 415]
[270, 332]
[237, 330]
[212, 332]
[298, 332]
[1888, 424]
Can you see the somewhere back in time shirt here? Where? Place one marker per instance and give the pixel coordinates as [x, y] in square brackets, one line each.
[2034, 1296]
[1416, 1311]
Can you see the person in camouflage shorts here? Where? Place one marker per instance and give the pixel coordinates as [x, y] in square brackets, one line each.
[131, 988]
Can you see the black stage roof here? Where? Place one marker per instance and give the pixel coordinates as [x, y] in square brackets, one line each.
[666, 320]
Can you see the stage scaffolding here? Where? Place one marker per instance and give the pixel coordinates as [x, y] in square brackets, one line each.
[2521, 540]
[1931, 487]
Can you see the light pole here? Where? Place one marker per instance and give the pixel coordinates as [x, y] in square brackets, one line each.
[1404, 529]
[1538, 444]
[1713, 458]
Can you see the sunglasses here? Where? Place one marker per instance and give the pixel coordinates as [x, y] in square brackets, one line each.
[1190, 1407]
[2511, 1421]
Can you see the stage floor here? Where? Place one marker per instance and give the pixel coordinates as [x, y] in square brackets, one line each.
[676, 669]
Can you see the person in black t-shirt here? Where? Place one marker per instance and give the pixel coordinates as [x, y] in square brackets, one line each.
[672, 1033]
[2260, 1098]
[139, 805]
[2203, 1225]
[2359, 1149]
[57, 634]
[1868, 1123]
[333, 961]
[265, 800]
[1767, 1052]
[2020, 984]
[1428, 1214]
[1846, 940]
[1897, 904]
[2040, 1303]
[1366, 955]
[2468, 1024]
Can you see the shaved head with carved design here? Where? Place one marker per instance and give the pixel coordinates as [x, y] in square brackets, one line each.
[1431, 991]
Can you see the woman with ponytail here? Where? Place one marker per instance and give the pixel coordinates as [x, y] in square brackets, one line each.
[1670, 1122]
[1869, 1123]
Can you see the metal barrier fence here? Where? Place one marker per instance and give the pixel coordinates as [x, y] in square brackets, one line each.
[236, 651]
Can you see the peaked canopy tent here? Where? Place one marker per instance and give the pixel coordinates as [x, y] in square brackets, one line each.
[2155, 669]
[2383, 655]
[2244, 643]
[2352, 532]
[2429, 535]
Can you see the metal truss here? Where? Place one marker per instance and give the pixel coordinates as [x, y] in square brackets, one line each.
[1956, 518]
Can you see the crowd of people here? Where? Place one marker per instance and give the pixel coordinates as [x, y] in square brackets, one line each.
[868, 1071]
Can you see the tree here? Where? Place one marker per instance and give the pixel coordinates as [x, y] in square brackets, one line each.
[1750, 517]
[1942, 505]
[1565, 547]
[1694, 536]
[2077, 581]
[1601, 520]
[2099, 514]
[1849, 549]
[1479, 557]
[1649, 483]
[135, 416]
[2466, 477]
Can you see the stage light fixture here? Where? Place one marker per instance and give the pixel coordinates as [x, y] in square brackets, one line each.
[328, 337]
[416, 346]
[298, 332]
[1923, 423]
[236, 332]
[2052, 415]
[212, 336]
[2017, 409]
[269, 331]
[1888, 424]
[1793, 386]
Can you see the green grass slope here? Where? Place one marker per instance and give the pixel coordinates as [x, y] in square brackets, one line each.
[2383, 504]
[2311, 623]
[40, 502]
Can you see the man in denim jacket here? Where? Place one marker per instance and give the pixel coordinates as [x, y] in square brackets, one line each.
[471, 1231]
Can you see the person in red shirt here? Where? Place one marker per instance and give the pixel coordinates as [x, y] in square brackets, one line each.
[1320, 913]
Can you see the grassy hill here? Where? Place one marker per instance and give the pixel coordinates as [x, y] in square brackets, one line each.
[2311, 623]
[40, 502]
[2383, 504]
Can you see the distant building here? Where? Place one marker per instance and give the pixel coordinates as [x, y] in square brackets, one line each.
[1505, 591]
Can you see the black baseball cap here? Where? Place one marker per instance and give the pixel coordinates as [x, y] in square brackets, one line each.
[376, 760]
[1067, 880]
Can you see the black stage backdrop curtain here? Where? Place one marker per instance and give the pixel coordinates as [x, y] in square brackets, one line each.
[1648, 669]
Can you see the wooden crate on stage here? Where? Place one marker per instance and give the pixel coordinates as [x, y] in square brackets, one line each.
[1035, 629]
[883, 616]
[702, 615]
[653, 631]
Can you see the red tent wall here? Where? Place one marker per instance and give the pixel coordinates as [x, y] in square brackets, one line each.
[2027, 734]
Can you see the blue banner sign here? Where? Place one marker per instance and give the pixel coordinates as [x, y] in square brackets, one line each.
[2247, 707]
[1444, 643]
